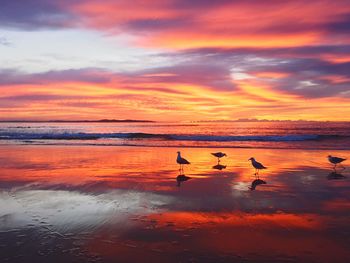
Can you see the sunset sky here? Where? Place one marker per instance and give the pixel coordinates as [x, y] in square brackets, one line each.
[174, 59]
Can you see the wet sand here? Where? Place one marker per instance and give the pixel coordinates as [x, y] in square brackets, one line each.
[125, 204]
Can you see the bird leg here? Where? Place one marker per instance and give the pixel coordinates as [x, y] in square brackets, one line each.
[182, 169]
[335, 167]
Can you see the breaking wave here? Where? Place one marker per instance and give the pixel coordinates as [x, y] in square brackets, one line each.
[170, 137]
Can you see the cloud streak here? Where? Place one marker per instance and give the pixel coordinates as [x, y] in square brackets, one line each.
[164, 92]
[237, 59]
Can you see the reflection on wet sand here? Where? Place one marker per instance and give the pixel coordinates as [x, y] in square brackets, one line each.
[219, 167]
[335, 176]
[255, 183]
[100, 204]
[182, 178]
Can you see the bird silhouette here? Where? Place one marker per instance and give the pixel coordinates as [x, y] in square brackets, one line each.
[181, 161]
[258, 166]
[219, 155]
[335, 160]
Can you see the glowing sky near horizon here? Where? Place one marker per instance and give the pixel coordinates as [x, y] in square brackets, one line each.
[175, 59]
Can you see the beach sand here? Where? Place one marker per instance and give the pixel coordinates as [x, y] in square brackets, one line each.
[124, 204]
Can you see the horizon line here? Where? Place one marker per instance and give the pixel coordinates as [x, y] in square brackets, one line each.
[198, 121]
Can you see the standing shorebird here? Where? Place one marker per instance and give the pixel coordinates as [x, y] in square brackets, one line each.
[335, 160]
[219, 155]
[258, 166]
[181, 161]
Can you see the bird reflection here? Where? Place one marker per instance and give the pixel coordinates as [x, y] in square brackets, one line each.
[182, 178]
[219, 167]
[335, 176]
[255, 183]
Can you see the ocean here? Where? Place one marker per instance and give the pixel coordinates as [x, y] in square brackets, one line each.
[275, 135]
[113, 192]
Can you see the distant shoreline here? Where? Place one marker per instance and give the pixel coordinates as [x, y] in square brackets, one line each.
[74, 121]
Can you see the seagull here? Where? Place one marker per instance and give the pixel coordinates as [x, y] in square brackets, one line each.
[219, 155]
[181, 161]
[258, 166]
[335, 160]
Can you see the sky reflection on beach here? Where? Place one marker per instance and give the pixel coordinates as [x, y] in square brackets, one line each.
[113, 203]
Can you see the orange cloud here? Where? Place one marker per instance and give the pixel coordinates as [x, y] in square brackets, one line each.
[172, 24]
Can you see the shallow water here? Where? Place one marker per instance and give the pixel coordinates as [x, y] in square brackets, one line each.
[282, 135]
[125, 204]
